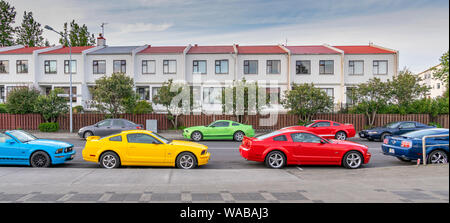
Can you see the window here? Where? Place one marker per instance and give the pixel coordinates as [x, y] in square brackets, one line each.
[67, 91]
[4, 66]
[50, 66]
[380, 67]
[336, 124]
[220, 124]
[235, 124]
[221, 66]
[199, 66]
[119, 123]
[250, 67]
[274, 92]
[305, 138]
[155, 91]
[144, 93]
[142, 138]
[2, 94]
[105, 123]
[356, 67]
[303, 67]
[73, 66]
[116, 139]
[169, 66]
[349, 94]
[22, 66]
[148, 67]
[99, 66]
[4, 137]
[329, 91]
[407, 125]
[212, 95]
[273, 66]
[282, 138]
[119, 66]
[326, 67]
[322, 124]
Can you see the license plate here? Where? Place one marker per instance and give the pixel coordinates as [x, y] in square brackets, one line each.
[391, 150]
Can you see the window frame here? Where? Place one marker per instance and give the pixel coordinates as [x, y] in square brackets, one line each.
[96, 63]
[48, 64]
[123, 66]
[378, 67]
[20, 63]
[297, 68]
[270, 66]
[324, 65]
[247, 67]
[5, 66]
[219, 64]
[168, 67]
[194, 66]
[66, 65]
[147, 67]
[349, 67]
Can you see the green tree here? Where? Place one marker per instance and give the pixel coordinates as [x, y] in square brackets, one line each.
[77, 35]
[7, 18]
[30, 32]
[142, 107]
[407, 88]
[113, 94]
[442, 73]
[370, 97]
[175, 97]
[51, 106]
[22, 100]
[305, 100]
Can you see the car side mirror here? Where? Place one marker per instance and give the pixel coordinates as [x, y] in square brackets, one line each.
[10, 141]
[322, 141]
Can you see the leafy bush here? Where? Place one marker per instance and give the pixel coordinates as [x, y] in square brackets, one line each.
[78, 109]
[143, 107]
[22, 100]
[3, 108]
[49, 127]
[435, 124]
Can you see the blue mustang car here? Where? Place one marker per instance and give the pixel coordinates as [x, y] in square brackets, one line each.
[392, 129]
[22, 148]
[408, 146]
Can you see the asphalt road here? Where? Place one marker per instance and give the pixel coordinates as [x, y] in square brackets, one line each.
[225, 155]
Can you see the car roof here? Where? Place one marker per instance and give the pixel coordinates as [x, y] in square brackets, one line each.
[137, 131]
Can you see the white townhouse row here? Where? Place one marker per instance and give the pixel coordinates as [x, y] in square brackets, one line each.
[335, 69]
[437, 87]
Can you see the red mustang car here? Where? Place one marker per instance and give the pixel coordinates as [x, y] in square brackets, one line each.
[328, 129]
[299, 147]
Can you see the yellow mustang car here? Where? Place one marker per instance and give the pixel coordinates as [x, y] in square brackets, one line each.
[143, 148]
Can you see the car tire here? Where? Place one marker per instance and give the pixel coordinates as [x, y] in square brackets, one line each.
[383, 136]
[109, 160]
[196, 136]
[352, 160]
[341, 135]
[238, 136]
[186, 161]
[404, 159]
[437, 157]
[87, 134]
[40, 159]
[275, 160]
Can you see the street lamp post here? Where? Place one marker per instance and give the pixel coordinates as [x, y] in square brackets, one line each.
[70, 73]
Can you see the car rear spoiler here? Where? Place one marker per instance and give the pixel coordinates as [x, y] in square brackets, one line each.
[91, 138]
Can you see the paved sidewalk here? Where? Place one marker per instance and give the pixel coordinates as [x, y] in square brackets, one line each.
[391, 184]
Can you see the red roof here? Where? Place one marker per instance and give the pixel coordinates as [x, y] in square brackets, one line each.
[311, 50]
[65, 50]
[260, 50]
[211, 49]
[363, 50]
[163, 49]
[24, 50]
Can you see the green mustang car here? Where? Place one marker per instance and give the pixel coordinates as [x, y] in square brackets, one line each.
[222, 129]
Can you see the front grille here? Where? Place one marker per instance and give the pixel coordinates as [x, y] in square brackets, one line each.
[68, 149]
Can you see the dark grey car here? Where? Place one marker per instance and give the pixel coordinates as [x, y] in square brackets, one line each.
[108, 127]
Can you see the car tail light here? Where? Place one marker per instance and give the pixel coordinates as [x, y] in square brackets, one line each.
[406, 144]
[138, 127]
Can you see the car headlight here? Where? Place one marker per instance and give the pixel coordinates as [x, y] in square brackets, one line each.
[204, 152]
[59, 151]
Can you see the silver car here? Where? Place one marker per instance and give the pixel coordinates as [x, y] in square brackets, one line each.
[108, 127]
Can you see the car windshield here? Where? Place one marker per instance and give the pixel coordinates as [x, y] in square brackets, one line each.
[22, 136]
[164, 140]
[308, 124]
[421, 133]
[267, 135]
[392, 125]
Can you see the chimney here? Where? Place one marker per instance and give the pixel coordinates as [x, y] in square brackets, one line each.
[101, 41]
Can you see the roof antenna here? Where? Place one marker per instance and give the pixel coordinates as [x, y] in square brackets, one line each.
[103, 28]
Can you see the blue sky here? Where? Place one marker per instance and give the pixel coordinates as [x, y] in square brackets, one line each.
[417, 28]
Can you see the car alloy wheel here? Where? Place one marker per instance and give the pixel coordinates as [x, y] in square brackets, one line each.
[275, 160]
[196, 136]
[353, 160]
[40, 160]
[88, 134]
[341, 136]
[186, 161]
[438, 157]
[239, 136]
[109, 160]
